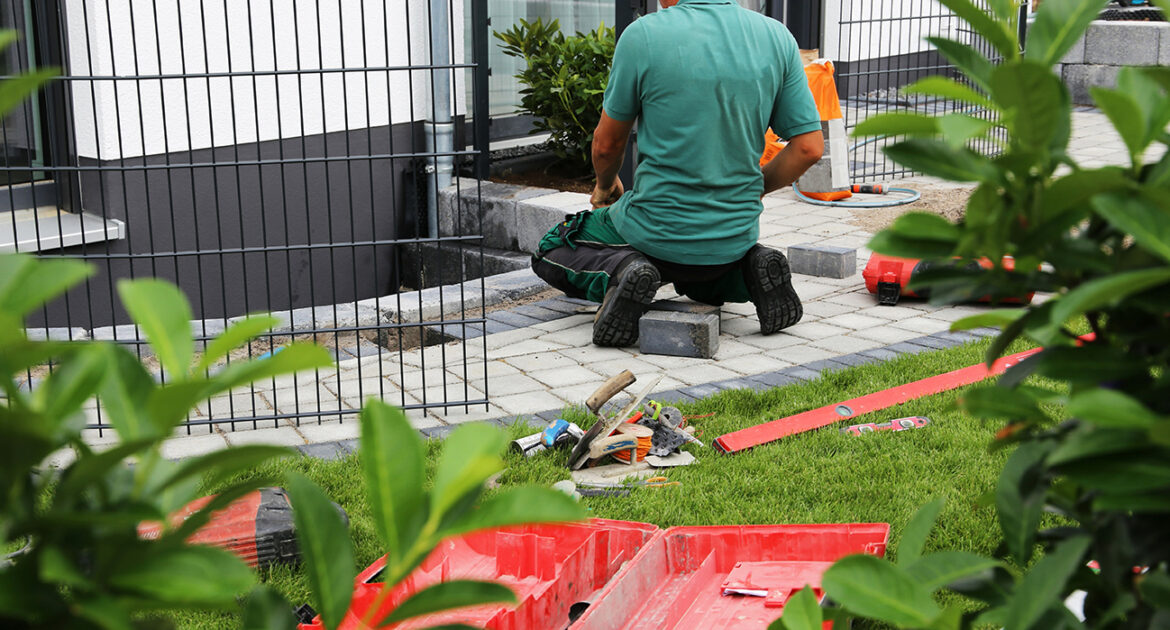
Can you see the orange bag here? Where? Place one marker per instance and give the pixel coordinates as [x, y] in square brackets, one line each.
[824, 91]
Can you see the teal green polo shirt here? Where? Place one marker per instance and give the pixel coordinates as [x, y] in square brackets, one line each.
[705, 79]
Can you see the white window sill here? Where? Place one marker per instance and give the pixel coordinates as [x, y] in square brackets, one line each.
[47, 228]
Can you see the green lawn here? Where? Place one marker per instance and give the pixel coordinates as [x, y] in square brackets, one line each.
[817, 477]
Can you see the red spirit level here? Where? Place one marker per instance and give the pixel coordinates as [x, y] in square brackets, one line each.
[901, 424]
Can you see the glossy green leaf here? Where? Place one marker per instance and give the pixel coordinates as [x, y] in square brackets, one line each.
[58, 568]
[1125, 114]
[392, 457]
[925, 226]
[26, 283]
[1019, 499]
[1090, 363]
[126, 395]
[1001, 403]
[450, 595]
[897, 124]
[1037, 101]
[162, 313]
[1076, 189]
[266, 609]
[1136, 473]
[92, 469]
[1106, 292]
[998, 34]
[1058, 26]
[960, 129]
[875, 588]
[972, 63]
[1042, 586]
[946, 567]
[219, 466]
[75, 382]
[949, 89]
[997, 318]
[935, 157]
[917, 530]
[471, 454]
[325, 547]
[517, 506]
[14, 91]
[892, 244]
[1146, 220]
[802, 611]
[1112, 409]
[235, 336]
[1087, 442]
[187, 576]
[1137, 502]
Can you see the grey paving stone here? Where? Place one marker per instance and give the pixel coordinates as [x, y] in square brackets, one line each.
[823, 365]
[362, 349]
[959, 337]
[439, 432]
[983, 332]
[493, 326]
[1118, 43]
[56, 334]
[327, 451]
[938, 343]
[348, 446]
[742, 383]
[463, 331]
[822, 260]
[672, 396]
[679, 306]
[907, 348]
[538, 312]
[775, 379]
[855, 359]
[679, 334]
[801, 373]
[512, 319]
[881, 354]
[1076, 54]
[563, 305]
[701, 391]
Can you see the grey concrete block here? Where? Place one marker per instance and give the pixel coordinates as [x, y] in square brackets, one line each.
[938, 343]
[1164, 44]
[679, 334]
[1076, 54]
[1122, 43]
[958, 338]
[562, 305]
[1081, 77]
[742, 383]
[463, 331]
[327, 451]
[673, 396]
[855, 359]
[533, 221]
[908, 348]
[681, 306]
[819, 177]
[822, 260]
[438, 433]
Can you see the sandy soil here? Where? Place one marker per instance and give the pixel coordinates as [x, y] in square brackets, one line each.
[948, 201]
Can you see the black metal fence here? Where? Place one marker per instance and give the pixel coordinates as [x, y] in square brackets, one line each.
[879, 46]
[266, 156]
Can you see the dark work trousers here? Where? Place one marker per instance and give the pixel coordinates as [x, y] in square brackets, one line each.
[584, 252]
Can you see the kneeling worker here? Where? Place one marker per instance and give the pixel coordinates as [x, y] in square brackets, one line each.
[704, 80]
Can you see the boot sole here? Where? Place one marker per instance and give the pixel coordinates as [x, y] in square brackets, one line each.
[777, 304]
[617, 321]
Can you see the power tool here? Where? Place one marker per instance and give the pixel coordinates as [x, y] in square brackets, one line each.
[888, 277]
[558, 432]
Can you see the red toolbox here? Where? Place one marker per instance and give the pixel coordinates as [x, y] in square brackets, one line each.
[725, 577]
[553, 569]
[626, 575]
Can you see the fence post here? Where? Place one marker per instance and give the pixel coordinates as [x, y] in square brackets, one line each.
[480, 23]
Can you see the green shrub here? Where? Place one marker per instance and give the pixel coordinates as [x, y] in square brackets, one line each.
[564, 79]
[1095, 448]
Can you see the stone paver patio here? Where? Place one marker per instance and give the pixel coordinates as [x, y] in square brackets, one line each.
[543, 360]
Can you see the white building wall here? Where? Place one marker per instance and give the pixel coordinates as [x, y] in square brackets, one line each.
[127, 38]
[855, 30]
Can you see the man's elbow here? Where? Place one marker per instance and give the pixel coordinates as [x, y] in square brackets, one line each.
[606, 149]
[810, 149]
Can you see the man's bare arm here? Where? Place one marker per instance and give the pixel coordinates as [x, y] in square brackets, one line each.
[797, 157]
[609, 151]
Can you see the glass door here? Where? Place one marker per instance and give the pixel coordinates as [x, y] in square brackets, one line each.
[21, 141]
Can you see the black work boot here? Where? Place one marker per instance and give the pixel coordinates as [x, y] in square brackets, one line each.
[630, 292]
[769, 282]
